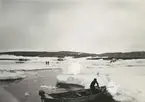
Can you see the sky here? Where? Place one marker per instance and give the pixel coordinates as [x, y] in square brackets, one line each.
[96, 26]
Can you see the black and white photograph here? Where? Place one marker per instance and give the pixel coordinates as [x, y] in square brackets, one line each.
[72, 51]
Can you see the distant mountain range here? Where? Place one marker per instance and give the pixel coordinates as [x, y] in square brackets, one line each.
[62, 54]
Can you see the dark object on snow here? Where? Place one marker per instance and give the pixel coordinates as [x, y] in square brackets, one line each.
[47, 62]
[113, 60]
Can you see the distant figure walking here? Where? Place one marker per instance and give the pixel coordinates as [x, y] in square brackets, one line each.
[92, 86]
[47, 62]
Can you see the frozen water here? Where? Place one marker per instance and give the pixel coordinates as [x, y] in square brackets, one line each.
[11, 75]
[125, 79]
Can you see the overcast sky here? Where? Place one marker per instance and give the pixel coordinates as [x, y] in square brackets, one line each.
[77, 25]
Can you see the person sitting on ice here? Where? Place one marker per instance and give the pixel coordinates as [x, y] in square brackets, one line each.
[92, 86]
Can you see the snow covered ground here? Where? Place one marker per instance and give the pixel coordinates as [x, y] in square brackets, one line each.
[124, 78]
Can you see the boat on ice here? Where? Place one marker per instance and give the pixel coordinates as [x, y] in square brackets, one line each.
[83, 95]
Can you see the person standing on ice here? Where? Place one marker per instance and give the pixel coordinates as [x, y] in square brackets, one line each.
[92, 86]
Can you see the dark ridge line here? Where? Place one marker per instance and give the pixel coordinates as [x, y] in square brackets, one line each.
[62, 54]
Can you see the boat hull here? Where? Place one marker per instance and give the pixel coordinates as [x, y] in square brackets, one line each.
[92, 98]
[79, 96]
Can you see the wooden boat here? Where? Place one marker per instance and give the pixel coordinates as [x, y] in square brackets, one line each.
[84, 95]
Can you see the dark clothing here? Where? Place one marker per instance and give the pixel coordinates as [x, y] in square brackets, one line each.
[92, 86]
